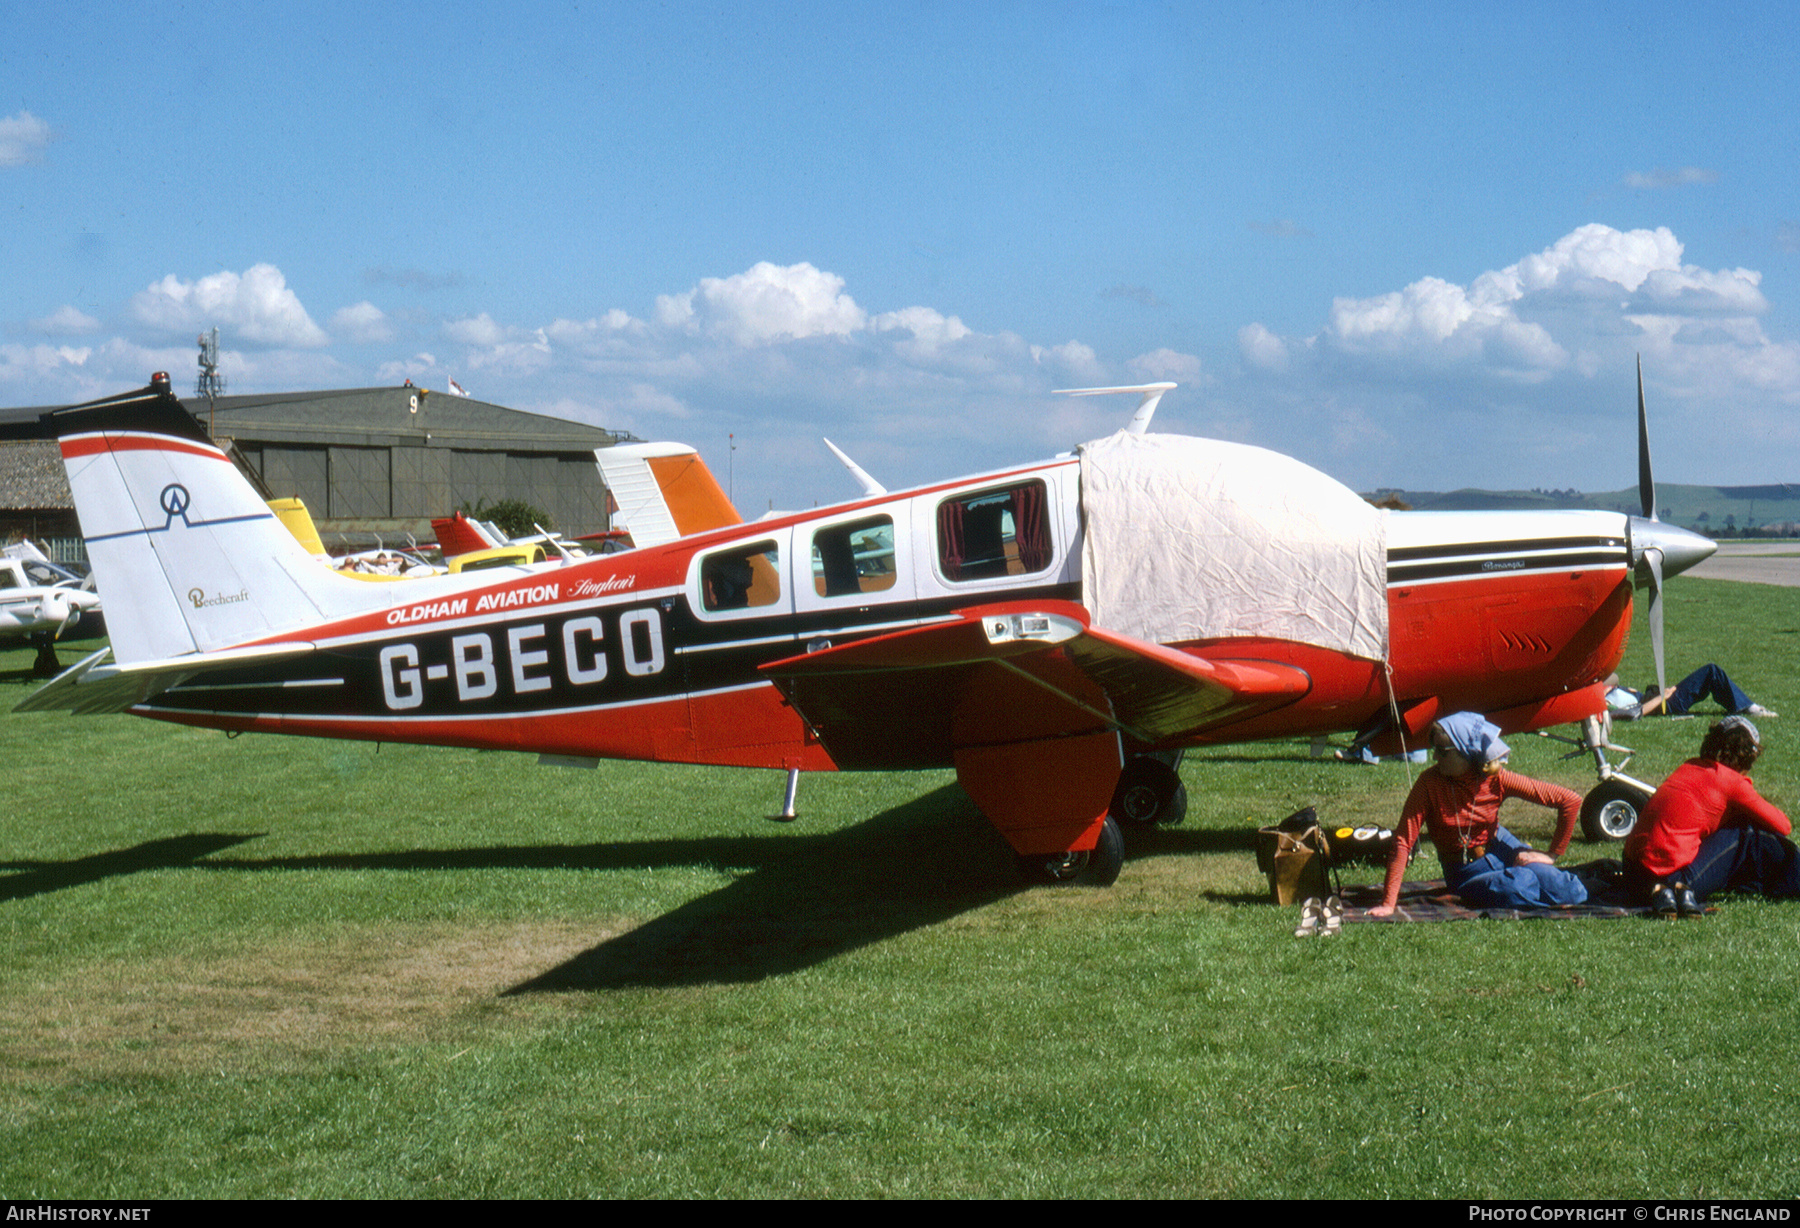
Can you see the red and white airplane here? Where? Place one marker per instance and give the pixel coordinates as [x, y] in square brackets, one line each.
[1057, 633]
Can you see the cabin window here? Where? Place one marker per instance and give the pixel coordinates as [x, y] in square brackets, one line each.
[9, 578]
[854, 558]
[994, 533]
[44, 574]
[741, 579]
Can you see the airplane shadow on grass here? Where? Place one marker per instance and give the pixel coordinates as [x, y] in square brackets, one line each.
[797, 901]
[175, 852]
[913, 866]
[809, 898]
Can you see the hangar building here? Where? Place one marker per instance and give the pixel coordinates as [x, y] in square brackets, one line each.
[368, 462]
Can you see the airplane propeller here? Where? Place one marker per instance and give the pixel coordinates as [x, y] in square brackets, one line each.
[55, 607]
[1658, 550]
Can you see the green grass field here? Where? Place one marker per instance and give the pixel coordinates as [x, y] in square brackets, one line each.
[277, 967]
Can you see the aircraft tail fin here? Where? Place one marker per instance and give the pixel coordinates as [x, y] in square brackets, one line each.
[299, 522]
[458, 534]
[664, 491]
[187, 556]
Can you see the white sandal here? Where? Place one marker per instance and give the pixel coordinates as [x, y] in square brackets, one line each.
[1333, 918]
[1311, 913]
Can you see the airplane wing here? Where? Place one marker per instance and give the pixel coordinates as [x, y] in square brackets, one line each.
[91, 687]
[1014, 672]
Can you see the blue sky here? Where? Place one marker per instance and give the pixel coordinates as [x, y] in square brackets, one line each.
[1413, 245]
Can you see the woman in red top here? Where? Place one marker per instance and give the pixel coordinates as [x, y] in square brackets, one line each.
[1457, 803]
[1707, 829]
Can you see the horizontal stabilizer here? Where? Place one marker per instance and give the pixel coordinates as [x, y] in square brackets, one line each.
[93, 688]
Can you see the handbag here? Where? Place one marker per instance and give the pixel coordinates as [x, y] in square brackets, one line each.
[1295, 855]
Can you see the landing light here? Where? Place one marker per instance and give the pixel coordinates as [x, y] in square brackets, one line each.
[1009, 628]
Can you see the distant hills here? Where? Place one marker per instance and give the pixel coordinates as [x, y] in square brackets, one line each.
[1720, 511]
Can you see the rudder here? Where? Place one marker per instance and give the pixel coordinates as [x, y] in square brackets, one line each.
[187, 556]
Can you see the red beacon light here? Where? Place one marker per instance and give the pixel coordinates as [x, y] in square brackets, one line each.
[159, 380]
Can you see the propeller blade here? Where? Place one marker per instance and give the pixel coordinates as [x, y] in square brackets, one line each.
[1646, 482]
[1654, 560]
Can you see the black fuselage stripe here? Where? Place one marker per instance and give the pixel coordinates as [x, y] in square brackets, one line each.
[1407, 554]
[1438, 569]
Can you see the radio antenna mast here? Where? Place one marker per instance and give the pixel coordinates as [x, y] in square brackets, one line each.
[210, 384]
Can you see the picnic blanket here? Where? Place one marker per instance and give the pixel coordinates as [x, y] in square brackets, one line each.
[1431, 900]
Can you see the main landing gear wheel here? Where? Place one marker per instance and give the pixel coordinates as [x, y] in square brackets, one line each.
[1610, 810]
[1098, 868]
[1149, 792]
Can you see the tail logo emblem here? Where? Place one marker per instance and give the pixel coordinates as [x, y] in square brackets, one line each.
[175, 500]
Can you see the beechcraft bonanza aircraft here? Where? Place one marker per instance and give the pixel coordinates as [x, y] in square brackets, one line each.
[1055, 632]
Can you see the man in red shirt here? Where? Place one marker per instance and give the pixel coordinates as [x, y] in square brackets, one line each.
[1708, 830]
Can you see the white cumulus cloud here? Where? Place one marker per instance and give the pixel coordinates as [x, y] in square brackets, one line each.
[65, 321]
[1541, 354]
[31, 362]
[22, 138]
[930, 330]
[613, 334]
[499, 348]
[766, 303]
[254, 306]
[1071, 360]
[420, 369]
[362, 323]
[1166, 364]
[475, 330]
[1433, 320]
[1531, 318]
[1262, 348]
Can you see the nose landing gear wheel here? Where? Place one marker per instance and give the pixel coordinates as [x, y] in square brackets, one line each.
[1611, 809]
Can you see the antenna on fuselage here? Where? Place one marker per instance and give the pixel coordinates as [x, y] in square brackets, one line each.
[870, 485]
[1140, 421]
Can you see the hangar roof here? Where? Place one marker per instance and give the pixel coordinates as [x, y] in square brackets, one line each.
[396, 417]
[31, 473]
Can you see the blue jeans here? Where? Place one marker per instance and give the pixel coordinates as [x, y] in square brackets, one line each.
[1494, 881]
[1745, 859]
[1707, 682]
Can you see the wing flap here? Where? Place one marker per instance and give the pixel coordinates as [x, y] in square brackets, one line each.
[1158, 693]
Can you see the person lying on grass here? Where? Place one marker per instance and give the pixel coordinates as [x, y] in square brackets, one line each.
[1707, 682]
[1708, 830]
[1457, 801]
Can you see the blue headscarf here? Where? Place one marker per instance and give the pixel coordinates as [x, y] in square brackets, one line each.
[1476, 737]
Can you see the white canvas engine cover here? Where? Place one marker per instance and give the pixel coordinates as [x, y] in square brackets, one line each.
[1197, 539]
